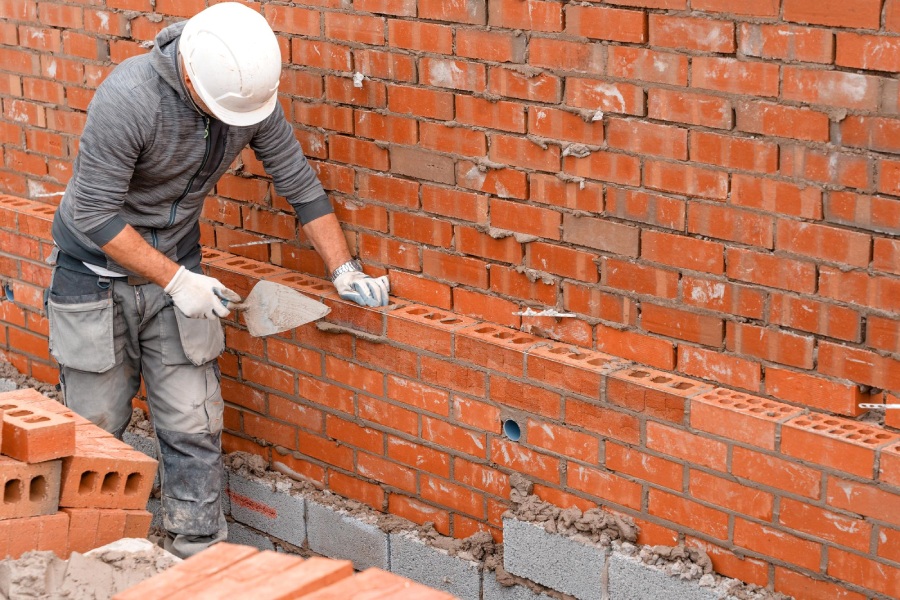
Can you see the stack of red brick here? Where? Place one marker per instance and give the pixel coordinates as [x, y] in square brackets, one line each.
[244, 573]
[66, 484]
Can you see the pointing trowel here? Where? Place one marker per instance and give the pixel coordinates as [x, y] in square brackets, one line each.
[272, 308]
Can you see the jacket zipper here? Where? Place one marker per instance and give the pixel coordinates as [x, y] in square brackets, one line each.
[190, 182]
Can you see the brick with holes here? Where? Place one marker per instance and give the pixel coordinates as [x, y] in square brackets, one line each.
[32, 434]
[105, 473]
[28, 490]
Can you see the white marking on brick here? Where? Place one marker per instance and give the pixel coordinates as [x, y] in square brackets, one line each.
[446, 74]
[707, 291]
[475, 175]
[51, 68]
[611, 92]
[16, 113]
[659, 64]
[842, 525]
[104, 20]
[502, 191]
[847, 489]
[541, 115]
[548, 431]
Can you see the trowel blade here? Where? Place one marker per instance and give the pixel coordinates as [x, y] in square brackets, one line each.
[272, 308]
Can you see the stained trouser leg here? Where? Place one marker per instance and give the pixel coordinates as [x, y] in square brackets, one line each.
[186, 408]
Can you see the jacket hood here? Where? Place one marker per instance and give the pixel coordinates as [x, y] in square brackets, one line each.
[164, 55]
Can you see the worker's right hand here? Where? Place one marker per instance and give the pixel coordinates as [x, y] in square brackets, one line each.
[199, 296]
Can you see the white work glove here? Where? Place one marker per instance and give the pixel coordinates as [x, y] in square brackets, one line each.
[199, 296]
[362, 289]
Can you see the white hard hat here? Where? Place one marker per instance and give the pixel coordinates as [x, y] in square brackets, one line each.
[233, 60]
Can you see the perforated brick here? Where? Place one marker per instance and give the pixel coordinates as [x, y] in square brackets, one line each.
[835, 442]
[106, 473]
[742, 417]
[651, 392]
[33, 435]
[28, 490]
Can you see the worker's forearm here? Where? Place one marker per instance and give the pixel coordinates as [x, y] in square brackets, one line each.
[328, 239]
[131, 251]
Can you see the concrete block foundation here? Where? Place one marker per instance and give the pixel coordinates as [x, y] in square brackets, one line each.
[631, 579]
[338, 534]
[412, 558]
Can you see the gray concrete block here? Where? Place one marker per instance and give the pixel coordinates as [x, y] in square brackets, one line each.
[7, 385]
[631, 579]
[338, 534]
[226, 499]
[261, 505]
[492, 590]
[414, 559]
[154, 507]
[238, 534]
[141, 443]
[553, 560]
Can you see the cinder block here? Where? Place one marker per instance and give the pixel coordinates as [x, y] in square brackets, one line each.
[261, 505]
[239, 534]
[338, 534]
[631, 579]
[154, 507]
[211, 561]
[46, 532]
[28, 490]
[375, 583]
[7, 385]
[33, 435]
[106, 473]
[493, 590]
[554, 560]
[413, 558]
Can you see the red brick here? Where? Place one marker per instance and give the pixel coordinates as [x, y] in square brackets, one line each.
[835, 442]
[419, 512]
[647, 138]
[835, 168]
[537, 87]
[799, 585]
[770, 270]
[106, 473]
[773, 345]
[723, 297]
[645, 65]
[681, 324]
[778, 544]
[774, 472]
[701, 34]
[632, 345]
[687, 513]
[687, 180]
[775, 196]
[509, 183]
[741, 417]
[644, 207]
[29, 490]
[43, 533]
[646, 467]
[831, 88]
[508, 116]
[33, 435]
[872, 52]
[530, 15]
[787, 42]
[731, 564]
[605, 166]
[689, 447]
[739, 497]
[859, 365]
[861, 14]
[609, 97]
[735, 76]
[469, 441]
[604, 485]
[564, 55]
[605, 23]
[783, 121]
[862, 499]
[818, 392]
[846, 531]
[214, 560]
[864, 572]
[309, 576]
[375, 581]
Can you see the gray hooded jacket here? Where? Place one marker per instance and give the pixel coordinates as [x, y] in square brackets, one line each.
[148, 158]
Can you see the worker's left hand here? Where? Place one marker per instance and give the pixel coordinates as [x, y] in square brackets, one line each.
[362, 289]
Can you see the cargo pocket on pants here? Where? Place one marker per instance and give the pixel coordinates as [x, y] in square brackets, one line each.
[198, 341]
[81, 331]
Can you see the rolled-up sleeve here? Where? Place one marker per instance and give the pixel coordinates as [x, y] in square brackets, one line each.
[283, 159]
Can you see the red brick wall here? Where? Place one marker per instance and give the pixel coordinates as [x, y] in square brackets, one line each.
[712, 189]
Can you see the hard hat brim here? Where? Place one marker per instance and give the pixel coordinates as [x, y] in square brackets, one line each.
[237, 119]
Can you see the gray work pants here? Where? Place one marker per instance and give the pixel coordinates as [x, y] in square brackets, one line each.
[106, 335]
